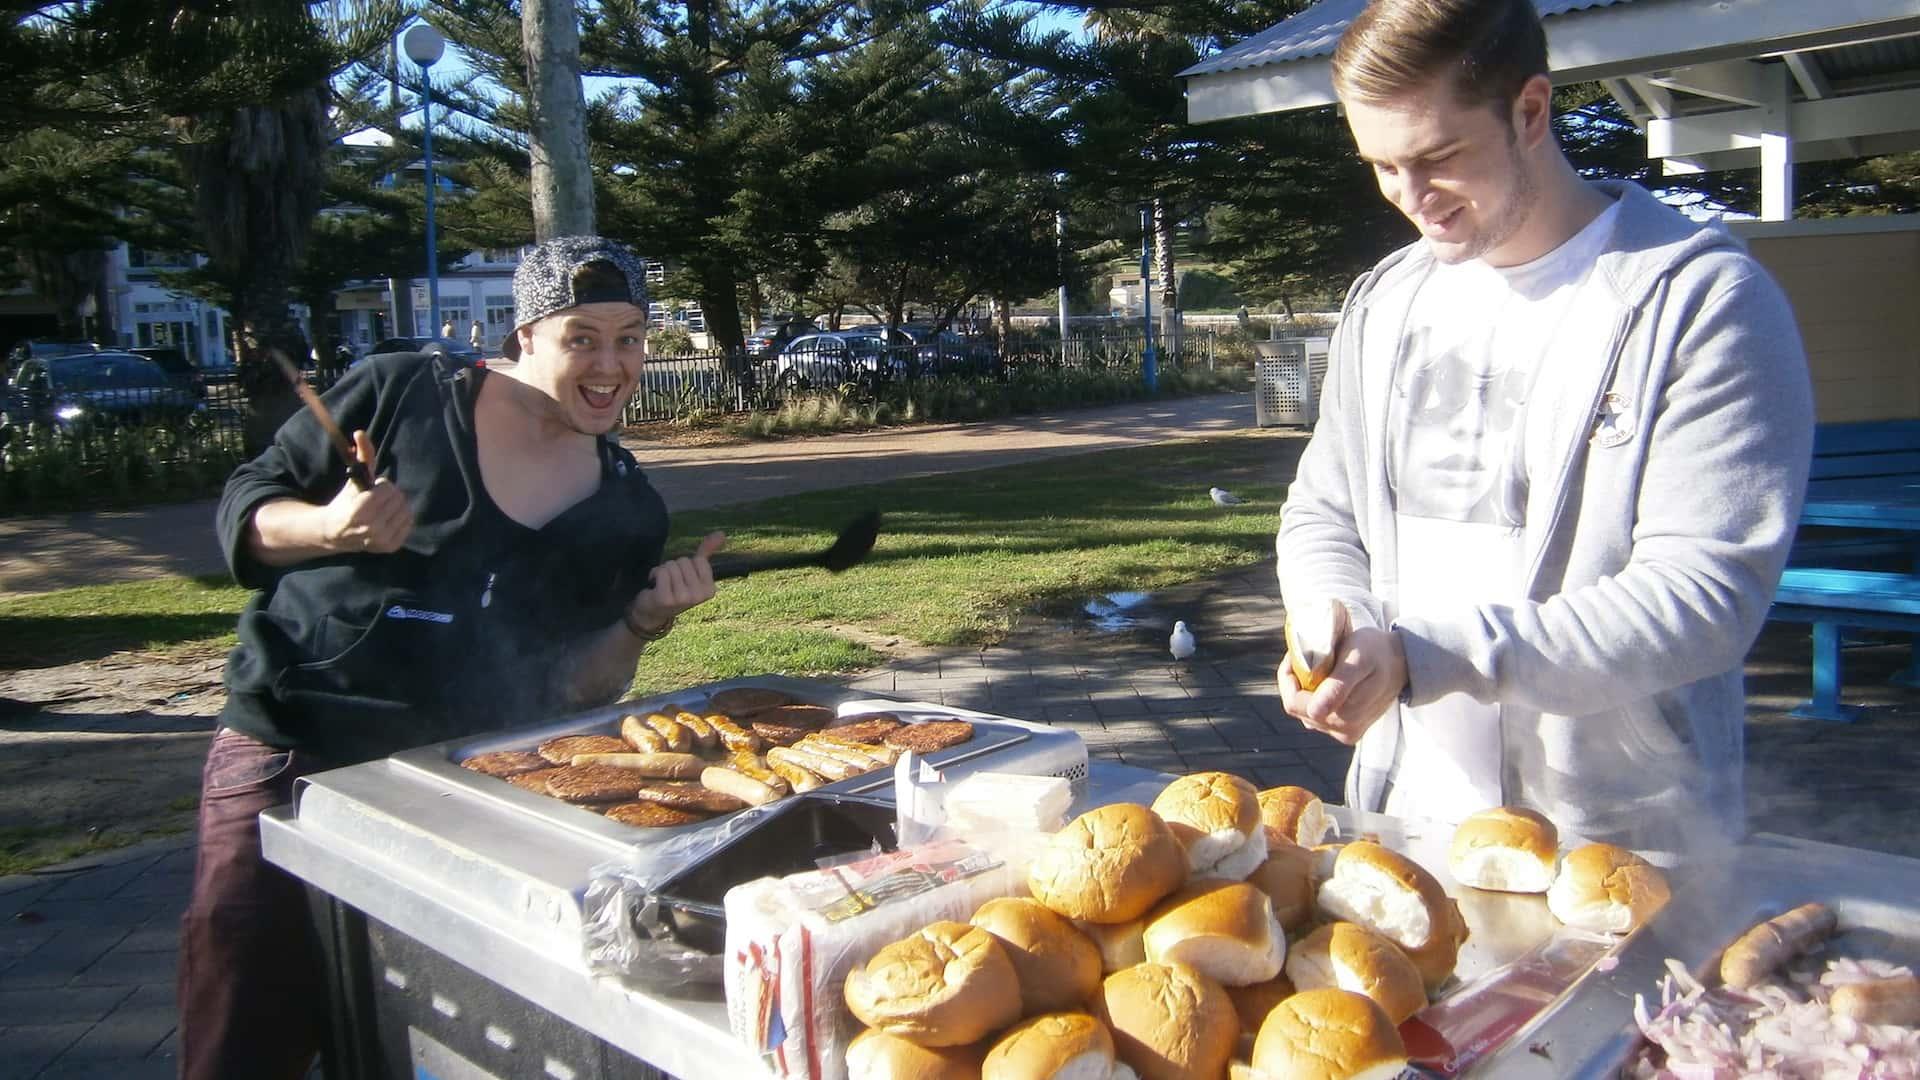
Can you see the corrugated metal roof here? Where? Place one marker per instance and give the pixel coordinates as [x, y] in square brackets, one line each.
[1869, 59]
[1315, 31]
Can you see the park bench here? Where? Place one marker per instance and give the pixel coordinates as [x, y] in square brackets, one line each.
[1863, 506]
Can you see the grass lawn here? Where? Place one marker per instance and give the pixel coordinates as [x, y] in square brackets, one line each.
[959, 558]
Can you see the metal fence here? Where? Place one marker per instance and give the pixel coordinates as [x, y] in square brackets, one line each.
[858, 365]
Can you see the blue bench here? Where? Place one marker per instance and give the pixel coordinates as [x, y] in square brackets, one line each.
[1843, 572]
[1858, 460]
[1832, 599]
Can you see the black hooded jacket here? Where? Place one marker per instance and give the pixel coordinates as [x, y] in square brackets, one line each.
[465, 629]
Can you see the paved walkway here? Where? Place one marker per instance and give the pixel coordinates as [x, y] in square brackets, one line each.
[58, 551]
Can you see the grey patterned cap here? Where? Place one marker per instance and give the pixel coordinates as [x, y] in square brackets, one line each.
[544, 283]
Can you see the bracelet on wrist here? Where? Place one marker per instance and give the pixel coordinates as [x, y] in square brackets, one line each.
[645, 635]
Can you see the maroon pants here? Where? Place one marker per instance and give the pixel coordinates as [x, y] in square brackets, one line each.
[252, 990]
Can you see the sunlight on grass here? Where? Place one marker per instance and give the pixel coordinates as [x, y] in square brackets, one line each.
[959, 559]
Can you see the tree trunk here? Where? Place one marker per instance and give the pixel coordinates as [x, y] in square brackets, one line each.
[720, 305]
[562, 178]
[1170, 322]
[260, 311]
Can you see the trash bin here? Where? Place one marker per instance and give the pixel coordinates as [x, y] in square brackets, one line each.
[1286, 384]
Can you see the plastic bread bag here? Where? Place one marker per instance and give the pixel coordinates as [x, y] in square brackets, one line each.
[792, 941]
[627, 930]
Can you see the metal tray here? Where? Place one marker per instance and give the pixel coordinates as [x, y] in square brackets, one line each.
[1589, 1031]
[993, 736]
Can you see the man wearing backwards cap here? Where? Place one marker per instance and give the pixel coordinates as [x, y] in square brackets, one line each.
[504, 569]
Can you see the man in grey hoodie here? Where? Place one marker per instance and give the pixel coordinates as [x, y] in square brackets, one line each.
[1563, 447]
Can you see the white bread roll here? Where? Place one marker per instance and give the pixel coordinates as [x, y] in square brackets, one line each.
[1056, 1046]
[1506, 849]
[1216, 817]
[1328, 1035]
[1313, 633]
[876, 1055]
[1109, 865]
[1253, 1003]
[1225, 930]
[1606, 889]
[1297, 813]
[1437, 958]
[1346, 956]
[948, 985]
[1121, 945]
[1287, 879]
[1386, 892]
[1058, 966]
[1169, 1022]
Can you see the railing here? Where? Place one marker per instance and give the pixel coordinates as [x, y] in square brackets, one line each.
[719, 381]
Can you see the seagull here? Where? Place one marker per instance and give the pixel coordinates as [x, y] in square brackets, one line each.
[1223, 497]
[1180, 644]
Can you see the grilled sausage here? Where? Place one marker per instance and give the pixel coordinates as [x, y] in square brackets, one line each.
[880, 752]
[1882, 1001]
[741, 786]
[752, 765]
[641, 737]
[678, 739]
[732, 735]
[667, 766]
[825, 766]
[704, 737]
[798, 777]
[1764, 949]
[846, 755]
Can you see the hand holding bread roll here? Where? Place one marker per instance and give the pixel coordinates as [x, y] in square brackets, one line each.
[1216, 817]
[1111, 864]
[948, 985]
[1313, 634]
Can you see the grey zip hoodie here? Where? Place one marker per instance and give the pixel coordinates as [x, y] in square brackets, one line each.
[1654, 536]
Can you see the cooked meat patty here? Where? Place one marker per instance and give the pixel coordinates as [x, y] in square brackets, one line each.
[533, 781]
[652, 815]
[780, 734]
[743, 700]
[687, 797]
[595, 783]
[868, 727]
[560, 751]
[930, 735]
[505, 763]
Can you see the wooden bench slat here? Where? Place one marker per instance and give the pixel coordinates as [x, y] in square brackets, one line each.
[1865, 437]
[1849, 590]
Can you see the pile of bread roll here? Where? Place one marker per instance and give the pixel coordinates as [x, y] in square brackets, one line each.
[1155, 944]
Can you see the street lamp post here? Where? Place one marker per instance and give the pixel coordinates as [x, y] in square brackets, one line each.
[424, 46]
[1149, 363]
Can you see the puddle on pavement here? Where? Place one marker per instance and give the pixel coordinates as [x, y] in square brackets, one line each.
[1118, 611]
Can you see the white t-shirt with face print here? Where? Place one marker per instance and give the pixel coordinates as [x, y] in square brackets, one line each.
[1476, 338]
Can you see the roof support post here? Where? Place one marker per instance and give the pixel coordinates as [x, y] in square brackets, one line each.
[1776, 149]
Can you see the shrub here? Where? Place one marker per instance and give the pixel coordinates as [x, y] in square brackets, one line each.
[669, 341]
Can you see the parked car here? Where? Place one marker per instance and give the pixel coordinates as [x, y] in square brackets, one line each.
[24, 351]
[109, 389]
[458, 350]
[820, 359]
[946, 351]
[184, 373]
[770, 337]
